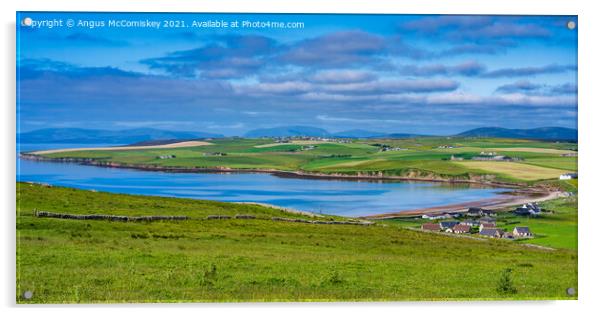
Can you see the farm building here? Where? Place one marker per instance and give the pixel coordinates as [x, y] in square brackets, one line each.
[166, 156]
[431, 227]
[521, 232]
[568, 176]
[492, 232]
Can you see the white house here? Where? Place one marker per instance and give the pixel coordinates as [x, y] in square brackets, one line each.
[521, 232]
[436, 216]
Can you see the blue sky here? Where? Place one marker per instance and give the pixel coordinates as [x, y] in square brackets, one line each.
[423, 74]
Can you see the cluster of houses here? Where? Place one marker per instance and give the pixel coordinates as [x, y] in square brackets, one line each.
[569, 155]
[495, 158]
[385, 147]
[214, 154]
[308, 147]
[488, 157]
[447, 147]
[288, 139]
[477, 221]
[567, 176]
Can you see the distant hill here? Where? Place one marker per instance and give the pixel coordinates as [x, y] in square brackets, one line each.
[404, 135]
[288, 131]
[150, 135]
[359, 133]
[544, 133]
[91, 136]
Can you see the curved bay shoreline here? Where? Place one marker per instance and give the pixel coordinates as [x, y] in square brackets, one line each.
[521, 193]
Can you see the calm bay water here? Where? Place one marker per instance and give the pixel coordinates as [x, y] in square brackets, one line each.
[341, 197]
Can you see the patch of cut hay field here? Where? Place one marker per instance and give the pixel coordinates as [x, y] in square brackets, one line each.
[514, 169]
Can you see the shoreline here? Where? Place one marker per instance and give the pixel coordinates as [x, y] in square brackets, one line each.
[521, 194]
[491, 204]
[276, 172]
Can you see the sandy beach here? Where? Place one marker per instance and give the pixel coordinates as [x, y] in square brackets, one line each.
[171, 145]
[513, 198]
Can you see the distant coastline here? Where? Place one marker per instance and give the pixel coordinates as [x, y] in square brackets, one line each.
[276, 172]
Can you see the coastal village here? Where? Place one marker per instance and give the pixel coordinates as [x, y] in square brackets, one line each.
[481, 222]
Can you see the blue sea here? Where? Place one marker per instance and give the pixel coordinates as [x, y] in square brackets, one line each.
[339, 197]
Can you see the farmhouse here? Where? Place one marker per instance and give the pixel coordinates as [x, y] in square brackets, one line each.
[486, 226]
[461, 229]
[474, 211]
[388, 148]
[489, 213]
[487, 219]
[568, 176]
[492, 232]
[454, 158]
[166, 156]
[436, 216]
[529, 209]
[431, 226]
[308, 147]
[470, 222]
[448, 225]
[521, 231]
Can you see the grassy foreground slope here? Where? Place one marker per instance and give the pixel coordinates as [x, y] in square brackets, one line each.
[62, 260]
[423, 157]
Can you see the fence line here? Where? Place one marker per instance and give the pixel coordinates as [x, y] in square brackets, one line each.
[109, 217]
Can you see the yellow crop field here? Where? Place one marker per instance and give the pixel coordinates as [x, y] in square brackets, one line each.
[531, 150]
[514, 169]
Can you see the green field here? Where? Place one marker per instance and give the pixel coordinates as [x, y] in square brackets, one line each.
[62, 260]
[420, 157]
